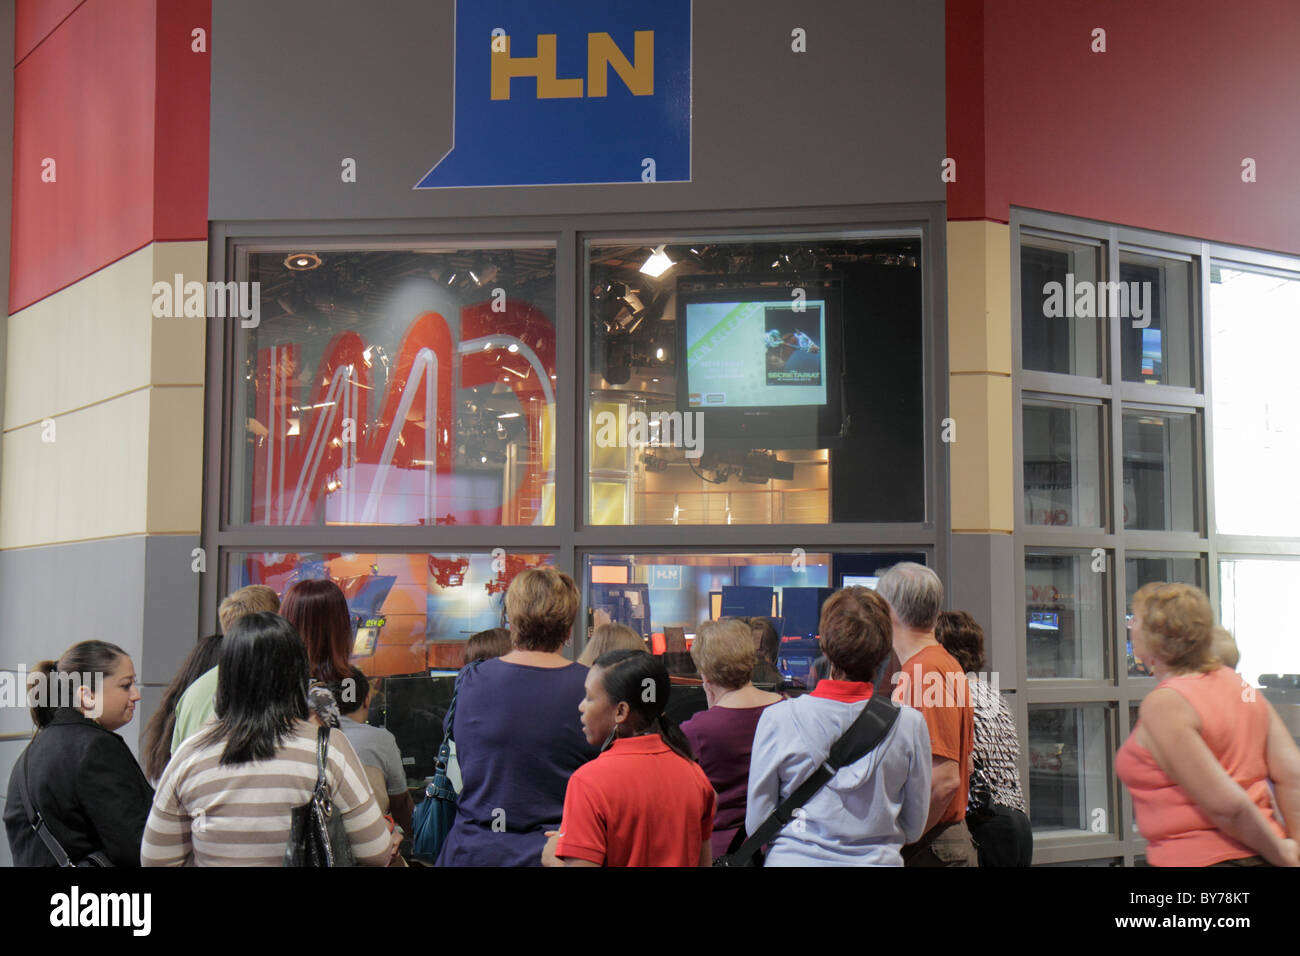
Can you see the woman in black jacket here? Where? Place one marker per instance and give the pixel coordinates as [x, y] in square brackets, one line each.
[77, 774]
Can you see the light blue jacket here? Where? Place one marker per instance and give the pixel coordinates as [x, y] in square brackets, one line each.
[865, 813]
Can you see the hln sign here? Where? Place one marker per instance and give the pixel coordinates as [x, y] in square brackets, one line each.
[555, 92]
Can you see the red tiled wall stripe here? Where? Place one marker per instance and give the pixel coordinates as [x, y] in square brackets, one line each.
[115, 97]
[1151, 133]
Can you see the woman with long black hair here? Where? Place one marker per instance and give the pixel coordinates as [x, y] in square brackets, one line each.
[644, 801]
[228, 795]
[76, 793]
[156, 742]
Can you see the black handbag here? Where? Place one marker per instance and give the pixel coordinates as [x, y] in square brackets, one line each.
[317, 836]
[860, 739]
[37, 823]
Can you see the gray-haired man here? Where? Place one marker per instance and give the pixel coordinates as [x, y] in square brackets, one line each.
[932, 681]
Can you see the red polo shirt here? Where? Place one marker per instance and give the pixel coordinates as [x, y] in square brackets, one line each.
[637, 804]
[845, 691]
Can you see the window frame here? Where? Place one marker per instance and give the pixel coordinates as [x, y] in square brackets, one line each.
[571, 537]
[1206, 545]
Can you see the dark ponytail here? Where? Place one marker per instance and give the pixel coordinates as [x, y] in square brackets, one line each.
[627, 676]
[52, 685]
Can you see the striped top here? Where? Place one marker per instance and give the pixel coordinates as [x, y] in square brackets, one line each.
[208, 815]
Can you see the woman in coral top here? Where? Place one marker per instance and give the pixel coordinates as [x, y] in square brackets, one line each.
[1205, 747]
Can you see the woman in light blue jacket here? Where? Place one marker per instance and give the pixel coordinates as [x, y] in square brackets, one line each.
[871, 808]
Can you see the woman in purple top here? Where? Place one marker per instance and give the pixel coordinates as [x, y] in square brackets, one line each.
[722, 736]
[517, 731]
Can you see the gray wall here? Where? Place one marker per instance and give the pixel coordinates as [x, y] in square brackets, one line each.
[297, 85]
[137, 592]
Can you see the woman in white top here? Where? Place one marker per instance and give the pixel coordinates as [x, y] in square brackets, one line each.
[871, 808]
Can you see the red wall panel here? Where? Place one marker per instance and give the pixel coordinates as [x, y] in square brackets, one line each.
[33, 21]
[183, 81]
[1151, 133]
[116, 97]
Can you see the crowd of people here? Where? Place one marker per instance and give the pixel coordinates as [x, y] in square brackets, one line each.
[898, 755]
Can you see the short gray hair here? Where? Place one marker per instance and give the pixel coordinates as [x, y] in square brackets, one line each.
[914, 592]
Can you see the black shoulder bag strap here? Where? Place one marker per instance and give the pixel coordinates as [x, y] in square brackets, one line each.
[866, 731]
[35, 821]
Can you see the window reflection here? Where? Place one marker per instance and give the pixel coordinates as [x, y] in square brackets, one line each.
[755, 382]
[410, 612]
[1054, 335]
[1063, 456]
[1065, 615]
[1155, 328]
[1160, 460]
[398, 388]
[1256, 404]
[1070, 755]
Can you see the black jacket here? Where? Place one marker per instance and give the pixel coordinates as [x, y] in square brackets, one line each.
[89, 789]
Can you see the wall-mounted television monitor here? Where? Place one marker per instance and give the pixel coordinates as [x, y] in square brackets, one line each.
[762, 360]
[1044, 621]
[860, 581]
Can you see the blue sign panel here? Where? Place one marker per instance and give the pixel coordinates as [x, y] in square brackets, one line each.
[665, 576]
[553, 92]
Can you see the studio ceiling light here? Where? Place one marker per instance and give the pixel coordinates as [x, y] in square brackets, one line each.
[657, 264]
[302, 261]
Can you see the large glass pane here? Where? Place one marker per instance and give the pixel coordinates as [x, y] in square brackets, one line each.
[1065, 606]
[1161, 458]
[1059, 327]
[1063, 463]
[397, 387]
[1154, 304]
[664, 597]
[1255, 328]
[410, 612]
[774, 381]
[1144, 569]
[1070, 754]
[1251, 591]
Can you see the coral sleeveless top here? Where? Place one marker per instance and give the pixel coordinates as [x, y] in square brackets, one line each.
[1234, 725]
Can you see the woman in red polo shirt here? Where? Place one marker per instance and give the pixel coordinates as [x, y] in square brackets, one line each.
[644, 801]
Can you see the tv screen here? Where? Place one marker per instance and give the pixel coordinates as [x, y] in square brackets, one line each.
[756, 354]
[859, 581]
[761, 362]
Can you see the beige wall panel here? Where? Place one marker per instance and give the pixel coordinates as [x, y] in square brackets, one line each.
[98, 339]
[178, 345]
[983, 492]
[175, 460]
[90, 482]
[979, 297]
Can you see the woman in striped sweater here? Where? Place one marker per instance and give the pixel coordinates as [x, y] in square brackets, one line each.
[227, 797]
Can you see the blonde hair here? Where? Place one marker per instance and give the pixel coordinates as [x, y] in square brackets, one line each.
[541, 604]
[247, 600]
[724, 653]
[610, 637]
[1225, 648]
[1177, 625]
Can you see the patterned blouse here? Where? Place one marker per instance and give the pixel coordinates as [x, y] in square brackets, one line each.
[994, 777]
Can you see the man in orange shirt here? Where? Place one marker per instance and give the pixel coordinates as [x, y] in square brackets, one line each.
[932, 681]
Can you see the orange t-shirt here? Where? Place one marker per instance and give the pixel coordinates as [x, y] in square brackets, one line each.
[1234, 725]
[933, 682]
[637, 804]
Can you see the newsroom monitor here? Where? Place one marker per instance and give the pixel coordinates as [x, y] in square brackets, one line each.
[761, 359]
